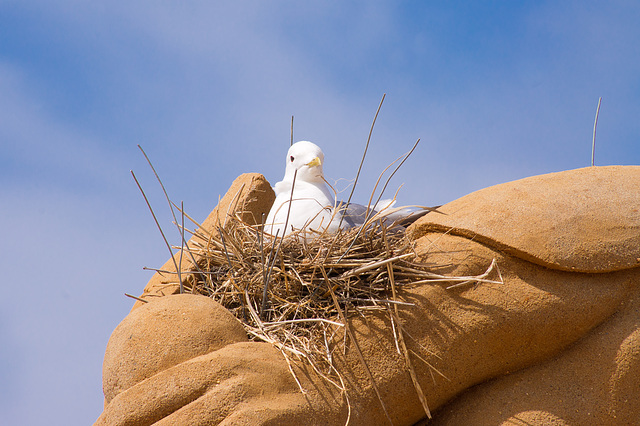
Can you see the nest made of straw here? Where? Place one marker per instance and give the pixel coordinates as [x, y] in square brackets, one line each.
[296, 292]
[299, 281]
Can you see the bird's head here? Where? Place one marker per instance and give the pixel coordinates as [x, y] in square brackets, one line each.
[307, 158]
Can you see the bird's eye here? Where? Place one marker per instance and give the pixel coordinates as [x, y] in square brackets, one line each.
[291, 158]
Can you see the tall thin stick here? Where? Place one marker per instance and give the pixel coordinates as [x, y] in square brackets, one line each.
[384, 188]
[181, 248]
[291, 144]
[166, 195]
[368, 216]
[157, 224]
[595, 123]
[364, 154]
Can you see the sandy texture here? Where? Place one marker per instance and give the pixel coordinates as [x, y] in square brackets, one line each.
[594, 382]
[158, 336]
[584, 220]
[548, 346]
[183, 359]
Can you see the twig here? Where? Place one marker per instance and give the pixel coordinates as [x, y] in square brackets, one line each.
[160, 182]
[137, 298]
[355, 344]
[166, 195]
[364, 154]
[380, 196]
[295, 376]
[375, 187]
[595, 123]
[157, 223]
[480, 278]
[396, 169]
[260, 236]
[226, 252]
[181, 249]
[395, 318]
[297, 321]
[405, 351]
[374, 265]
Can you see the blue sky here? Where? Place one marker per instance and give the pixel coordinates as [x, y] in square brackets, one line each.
[496, 91]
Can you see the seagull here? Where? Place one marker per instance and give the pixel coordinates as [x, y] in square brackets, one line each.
[305, 202]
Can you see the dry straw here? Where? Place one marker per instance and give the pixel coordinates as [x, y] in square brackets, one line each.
[297, 292]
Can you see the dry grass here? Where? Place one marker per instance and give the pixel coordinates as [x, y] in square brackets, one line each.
[297, 292]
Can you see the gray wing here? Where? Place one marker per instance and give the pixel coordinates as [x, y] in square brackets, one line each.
[355, 215]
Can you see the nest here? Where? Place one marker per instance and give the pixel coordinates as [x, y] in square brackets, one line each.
[296, 293]
[295, 285]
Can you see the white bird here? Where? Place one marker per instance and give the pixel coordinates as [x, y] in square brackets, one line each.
[304, 201]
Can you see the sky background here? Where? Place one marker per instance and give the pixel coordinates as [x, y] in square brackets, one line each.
[496, 91]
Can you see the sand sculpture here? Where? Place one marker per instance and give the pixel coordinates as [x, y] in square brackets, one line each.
[557, 342]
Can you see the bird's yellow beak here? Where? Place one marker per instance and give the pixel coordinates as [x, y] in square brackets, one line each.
[315, 162]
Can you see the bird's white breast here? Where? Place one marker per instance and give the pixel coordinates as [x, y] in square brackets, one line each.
[311, 208]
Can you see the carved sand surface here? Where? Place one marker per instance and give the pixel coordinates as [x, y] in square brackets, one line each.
[552, 336]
